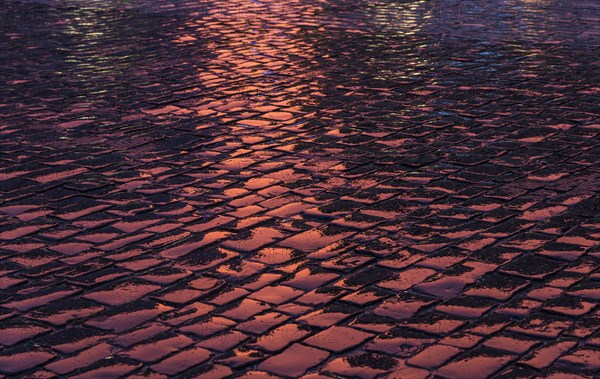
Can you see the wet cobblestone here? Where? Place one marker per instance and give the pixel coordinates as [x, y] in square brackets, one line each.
[316, 189]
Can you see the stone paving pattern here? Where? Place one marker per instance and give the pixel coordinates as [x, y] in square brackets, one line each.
[315, 189]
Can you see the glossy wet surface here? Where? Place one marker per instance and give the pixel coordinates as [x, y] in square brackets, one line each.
[401, 189]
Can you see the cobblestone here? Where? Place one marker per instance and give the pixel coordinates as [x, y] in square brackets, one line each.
[310, 188]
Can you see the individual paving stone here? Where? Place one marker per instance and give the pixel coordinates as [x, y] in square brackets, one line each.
[563, 372]
[124, 241]
[255, 239]
[462, 340]
[136, 223]
[435, 323]
[402, 306]
[13, 332]
[406, 279]
[165, 275]
[281, 337]
[41, 298]
[211, 371]
[208, 326]
[224, 341]
[262, 323]
[225, 295]
[400, 341]
[497, 287]
[542, 325]
[334, 209]
[532, 266]
[182, 361]
[179, 294]
[372, 323]
[404, 371]
[315, 239]
[527, 241]
[82, 359]
[401, 260]
[189, 247]
[347, 262]
[585, 290]
[564, 279]
[320, 296]
[186, 313]
[359, 221]
[7, 282]
[122, 293]
[558, 250]
[196, 261]
[569, 306]
[206, 225]
[309, 279]
[147, 375]
[157, 348]
[489, 324]
[70, 340]
[139, 335]
[364, 296]
[125, 317]
[328, 316]
[580, 237]
[276, 294]
[71, 248]
[541, 213]
[443, 259]
[274, 256]
[113, 367]
[14, 361]
[294, 361]
[585, 359]
[480, 363]
[240, 357]
[78, 209]
[245, 309]
[35, 261]
[366, 365]
[447, 284]
[63, 311]
[259, 281]
[23, 245]
[289, 209]
[496, 255]
[259, 374]
[246, 211]
[337, 339]
[476, 243]
[517, 372]
[544, 293]
[511, 343]
[236, 270]
[167, 234]
[546, 355]
[434, 356]
[17, 231]
[55, 267]
[98, 276]
[506, 228]
[364, 277]
[465, 306]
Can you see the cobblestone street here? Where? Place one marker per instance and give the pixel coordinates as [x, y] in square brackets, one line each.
[299, 189]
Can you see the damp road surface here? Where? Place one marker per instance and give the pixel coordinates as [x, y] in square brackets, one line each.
[304, 188]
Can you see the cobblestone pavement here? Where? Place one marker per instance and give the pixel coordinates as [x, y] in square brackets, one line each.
[308, 188]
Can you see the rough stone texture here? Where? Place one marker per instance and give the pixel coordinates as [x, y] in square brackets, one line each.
[316, 188]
